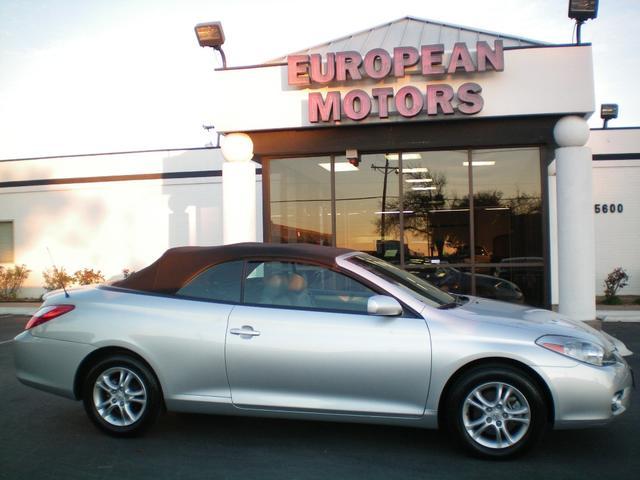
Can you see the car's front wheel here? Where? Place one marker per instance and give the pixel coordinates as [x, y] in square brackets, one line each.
[121, 395]
[496, 411]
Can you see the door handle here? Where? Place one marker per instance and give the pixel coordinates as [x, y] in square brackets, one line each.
[245, 331]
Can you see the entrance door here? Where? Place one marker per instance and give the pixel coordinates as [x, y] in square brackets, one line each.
[303, 341]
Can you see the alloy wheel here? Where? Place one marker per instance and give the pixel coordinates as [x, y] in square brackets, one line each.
[119, 396]
[496, 415]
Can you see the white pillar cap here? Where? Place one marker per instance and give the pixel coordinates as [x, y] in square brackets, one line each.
[571, 131]
[237, 147]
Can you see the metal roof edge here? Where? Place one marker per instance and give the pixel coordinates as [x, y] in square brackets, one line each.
[417, 19]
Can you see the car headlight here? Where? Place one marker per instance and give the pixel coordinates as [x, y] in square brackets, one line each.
[578, 349]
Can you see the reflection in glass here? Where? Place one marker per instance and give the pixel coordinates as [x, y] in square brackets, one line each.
[530, 280]
[435, 185]
[300, 191]
[507, 205]
[367, 212]
[502, 258]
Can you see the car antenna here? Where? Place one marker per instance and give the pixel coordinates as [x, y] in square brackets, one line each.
[66, 294]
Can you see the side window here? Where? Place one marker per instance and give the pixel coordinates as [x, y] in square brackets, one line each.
[302, 285]
[218, 283]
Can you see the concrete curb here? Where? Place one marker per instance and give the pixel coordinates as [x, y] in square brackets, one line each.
[631, 316]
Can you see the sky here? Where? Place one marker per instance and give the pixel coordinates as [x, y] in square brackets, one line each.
[115, 75]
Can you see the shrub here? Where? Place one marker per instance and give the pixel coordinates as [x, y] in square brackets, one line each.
[614, 300]
[126, 273]
[88, 276]
[11, 280]
[616, 280]
[56, 278]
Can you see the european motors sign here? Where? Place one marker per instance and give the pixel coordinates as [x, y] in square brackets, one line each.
[435, 98]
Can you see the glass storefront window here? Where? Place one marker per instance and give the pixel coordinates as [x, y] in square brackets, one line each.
[300, 207]
[470, 228]
[367, 205]
[507, 202]
[436, 225]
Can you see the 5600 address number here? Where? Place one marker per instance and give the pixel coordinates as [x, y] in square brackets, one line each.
[608, 208]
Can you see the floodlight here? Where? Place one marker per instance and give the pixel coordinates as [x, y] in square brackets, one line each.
[581, 11]
[607, 112]
[211, 35]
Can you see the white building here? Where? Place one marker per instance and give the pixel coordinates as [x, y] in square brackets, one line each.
[109, 211]
[463, 162]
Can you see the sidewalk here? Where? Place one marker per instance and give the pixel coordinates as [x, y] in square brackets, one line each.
[608, 314]
[19, 308]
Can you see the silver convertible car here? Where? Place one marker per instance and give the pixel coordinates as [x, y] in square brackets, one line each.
[319, 333]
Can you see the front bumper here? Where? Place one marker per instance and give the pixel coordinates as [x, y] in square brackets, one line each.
[586, 395]
[48, 364]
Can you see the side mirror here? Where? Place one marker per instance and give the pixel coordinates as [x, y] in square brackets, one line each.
[383, 305]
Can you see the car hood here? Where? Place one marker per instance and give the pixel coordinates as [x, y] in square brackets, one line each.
[540, 321]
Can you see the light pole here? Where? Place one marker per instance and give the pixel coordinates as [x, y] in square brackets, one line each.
[385, 170]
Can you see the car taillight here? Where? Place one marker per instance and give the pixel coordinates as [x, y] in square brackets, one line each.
[47, 313]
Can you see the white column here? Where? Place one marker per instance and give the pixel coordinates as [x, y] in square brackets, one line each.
[238, 189]
[576, 236]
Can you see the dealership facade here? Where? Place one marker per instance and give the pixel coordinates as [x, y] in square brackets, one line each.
[422, 143]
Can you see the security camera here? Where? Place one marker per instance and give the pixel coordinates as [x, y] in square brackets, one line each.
[352, 157]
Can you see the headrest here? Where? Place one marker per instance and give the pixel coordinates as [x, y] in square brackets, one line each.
[297, 283]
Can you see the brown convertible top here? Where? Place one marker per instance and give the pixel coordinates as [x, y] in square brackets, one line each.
[177, 265]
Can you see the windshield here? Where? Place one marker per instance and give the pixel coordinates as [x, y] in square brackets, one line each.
[420, 289]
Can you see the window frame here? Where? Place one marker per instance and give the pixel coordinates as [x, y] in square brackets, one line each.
[407, 312]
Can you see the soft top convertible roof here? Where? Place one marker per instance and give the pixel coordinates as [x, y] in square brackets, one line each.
[177, 265]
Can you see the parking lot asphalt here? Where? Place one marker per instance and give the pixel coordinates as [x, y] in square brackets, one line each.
[44, 436]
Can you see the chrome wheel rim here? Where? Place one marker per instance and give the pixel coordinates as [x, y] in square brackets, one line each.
[119, 396]
[496, 415]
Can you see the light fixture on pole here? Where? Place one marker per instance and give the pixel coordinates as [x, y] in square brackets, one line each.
[211, 35]
[607, 112]
[581, 11]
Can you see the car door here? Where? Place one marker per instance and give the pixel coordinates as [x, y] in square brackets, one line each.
[302, 340]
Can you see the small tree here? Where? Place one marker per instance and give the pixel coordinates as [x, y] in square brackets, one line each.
[88, 276]
[616, 280]
[56, 278]
[126, 273]
[11, 280]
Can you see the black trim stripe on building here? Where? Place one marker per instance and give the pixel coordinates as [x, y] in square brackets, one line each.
[116, 178]
[618, 128]
[617, 156]
[126, 152]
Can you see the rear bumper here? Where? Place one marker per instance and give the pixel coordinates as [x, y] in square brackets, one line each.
[586, 396]
[48, 364]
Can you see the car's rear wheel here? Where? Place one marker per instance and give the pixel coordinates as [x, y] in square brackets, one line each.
[496, 411]
[121, 395]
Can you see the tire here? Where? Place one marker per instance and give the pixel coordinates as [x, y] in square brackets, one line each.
[496, 411]
[121, 396]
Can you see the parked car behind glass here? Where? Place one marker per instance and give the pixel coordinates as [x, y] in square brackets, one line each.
[453, 280]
